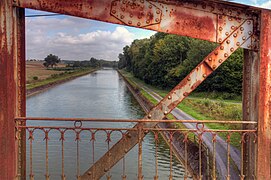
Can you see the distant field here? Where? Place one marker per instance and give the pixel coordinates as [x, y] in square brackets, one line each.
[37, 69]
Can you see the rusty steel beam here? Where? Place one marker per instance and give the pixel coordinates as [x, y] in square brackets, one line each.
[210, 21]
[11, 103]
[21, 92]
[264, 108]
[238, 37]
[250, 111]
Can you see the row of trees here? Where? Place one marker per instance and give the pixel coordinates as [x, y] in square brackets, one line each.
[164, 60]
[93, 62]
[52, 60]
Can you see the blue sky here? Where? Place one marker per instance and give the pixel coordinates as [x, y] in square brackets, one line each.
[80, 39]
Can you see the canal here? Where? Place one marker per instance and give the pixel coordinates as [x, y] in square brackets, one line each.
[102, 94]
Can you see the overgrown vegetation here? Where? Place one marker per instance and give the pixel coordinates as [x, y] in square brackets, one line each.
[164, 60]
[199, 108]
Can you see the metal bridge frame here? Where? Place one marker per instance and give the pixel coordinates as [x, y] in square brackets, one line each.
[228, 24]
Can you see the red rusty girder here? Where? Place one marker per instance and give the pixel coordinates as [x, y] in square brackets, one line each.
[238, 37]
[212, 21]
[12, 84]
[264, 108]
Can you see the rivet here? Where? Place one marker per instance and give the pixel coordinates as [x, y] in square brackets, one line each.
[226, 33]
[138, 24]
[225, 55]
[250, 32]
[169, 97]
[149, 116]
[230, 19]
[121, 16]
[188, 79]
[241, 28]
[230, 12]
[123, 9]
[185, 94]
[232, 49]
[216, 53]
[142, 1]
[165, 113]
[244, 37]
[220, 28]
[235, 35]
[105, 169]
[210, 58]
[150, 6]
[89, 173]
[158, 12]
[204, 75]
[228, 41]
[125, 150]
[148, 22]
[219, 40]
[233, 27]
[248, 22]
[238, 43]
[129, 22]
[222, 47]
[131, 15]
[157, 20]
[114, 11]
[214, 66]
[220, 60]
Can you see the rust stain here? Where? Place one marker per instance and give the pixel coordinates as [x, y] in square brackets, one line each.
[192, 25]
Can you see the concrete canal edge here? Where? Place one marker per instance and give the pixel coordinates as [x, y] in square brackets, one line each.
[178, 145]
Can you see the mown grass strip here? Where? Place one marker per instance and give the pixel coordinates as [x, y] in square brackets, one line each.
[59, 77]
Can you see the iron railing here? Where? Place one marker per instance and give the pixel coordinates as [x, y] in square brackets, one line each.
[180, 142]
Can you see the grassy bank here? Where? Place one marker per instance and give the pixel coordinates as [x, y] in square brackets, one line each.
[201, 108]
[59, 77]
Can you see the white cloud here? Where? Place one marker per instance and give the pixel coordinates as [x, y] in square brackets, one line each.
[74, 38]
[266, 5]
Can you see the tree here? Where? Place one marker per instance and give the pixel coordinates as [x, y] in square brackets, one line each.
[51, 60]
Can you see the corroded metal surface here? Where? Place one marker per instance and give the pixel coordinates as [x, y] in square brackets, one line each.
[11, 89]
[264, 126]
[231, 25]
[83, 131]
[175, 96]
[187, 18]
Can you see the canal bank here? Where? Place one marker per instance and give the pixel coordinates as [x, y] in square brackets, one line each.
[40, 86]
[102, 94]
[178, 146]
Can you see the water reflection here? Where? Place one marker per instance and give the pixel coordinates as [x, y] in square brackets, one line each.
[99, 95]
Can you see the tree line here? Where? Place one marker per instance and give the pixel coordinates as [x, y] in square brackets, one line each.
[163, 60]
[52, 60]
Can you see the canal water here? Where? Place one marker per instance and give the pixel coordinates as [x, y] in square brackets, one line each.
[102, 94]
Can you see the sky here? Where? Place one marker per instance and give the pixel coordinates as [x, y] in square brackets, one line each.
[73, 38]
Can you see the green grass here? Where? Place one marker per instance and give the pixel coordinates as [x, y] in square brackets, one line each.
[59, 77]
[202, 108]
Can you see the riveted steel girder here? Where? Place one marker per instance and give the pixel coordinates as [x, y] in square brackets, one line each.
[175, 96]
[12, 86]
[208, 20]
